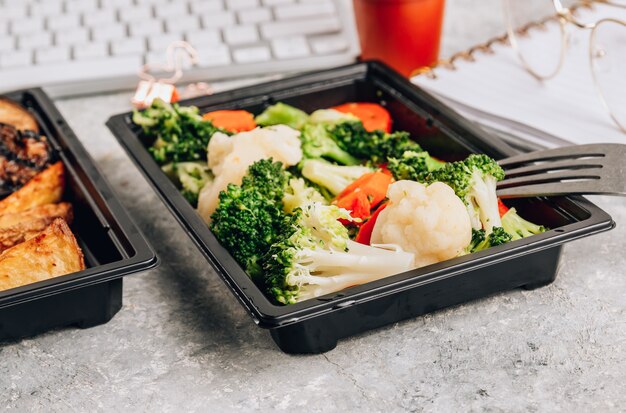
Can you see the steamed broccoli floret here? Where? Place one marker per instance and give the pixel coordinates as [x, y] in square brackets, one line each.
[478, 236]
[180, 132]
[317, 258]
[191, 178]
[267, 177]
[298, 194]
[376, 146]
[311, 228]
[474, 181]
[250, 216]
[498, 236]
[517, 227]
[482, 241]
[317, 143]
[281, 113]
[333, 177]
[414, 166]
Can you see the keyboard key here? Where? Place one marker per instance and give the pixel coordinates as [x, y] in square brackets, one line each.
[160, 42]
[14, 10]
[117, 3]
[276, 2]
[80, 70]
[99, 17]
[174, 9]
[155, 2]
[218, 55]
[206, 6]
[73, 6]
[108, 32]
[7, 43]
[63, 22]
[219, 19]
[238, 35]
[34, 40]
[15, 59]
[241, 4]
[290, 47]
[203, 38]
[152, 58]
[135, 14]
[300, 27]
[160, 58]
[90, 51]
[294, 11]
[329, 44]
[52, 54]
[182, 23]
[255, 15]
[252, 54]
[46, 8]
[72, 36]
[146, 28]
[27, 25]
[135, 45]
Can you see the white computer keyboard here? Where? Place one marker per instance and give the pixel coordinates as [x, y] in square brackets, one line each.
[85, 46]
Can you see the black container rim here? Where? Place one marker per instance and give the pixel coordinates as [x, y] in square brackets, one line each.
[143, 258]
[269, 315]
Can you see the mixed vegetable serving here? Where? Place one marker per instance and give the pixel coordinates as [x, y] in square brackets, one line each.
[310, 204]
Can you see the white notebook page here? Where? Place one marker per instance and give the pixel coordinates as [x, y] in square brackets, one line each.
[497, 91]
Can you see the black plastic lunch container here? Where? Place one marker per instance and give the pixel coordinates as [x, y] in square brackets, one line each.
[315, 325]
[111, 243]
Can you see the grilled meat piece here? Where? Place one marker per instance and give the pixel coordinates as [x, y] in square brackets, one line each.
[22, 155]
[14, 174]
[24, 146]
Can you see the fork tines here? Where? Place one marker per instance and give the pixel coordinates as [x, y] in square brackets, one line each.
[581, 169]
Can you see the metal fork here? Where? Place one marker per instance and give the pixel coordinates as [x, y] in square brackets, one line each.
[595, 169]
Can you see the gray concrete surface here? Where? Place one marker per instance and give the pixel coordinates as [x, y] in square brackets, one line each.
[182, 342]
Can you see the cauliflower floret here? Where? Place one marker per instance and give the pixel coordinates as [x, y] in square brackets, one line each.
[429, 221]
[219, 147]
[279, 142]
[236, 169]
[230, 157]
[330, 117]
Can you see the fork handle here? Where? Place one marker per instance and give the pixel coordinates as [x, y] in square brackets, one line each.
[557, 189]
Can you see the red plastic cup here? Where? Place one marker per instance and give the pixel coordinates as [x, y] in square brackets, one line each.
[405, 34]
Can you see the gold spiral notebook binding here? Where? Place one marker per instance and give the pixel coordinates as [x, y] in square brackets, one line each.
[487, 47]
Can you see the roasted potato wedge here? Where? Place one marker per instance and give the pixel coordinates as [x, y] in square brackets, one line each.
[18, 227]
[44, 188]
[14, 114]
[52, 253]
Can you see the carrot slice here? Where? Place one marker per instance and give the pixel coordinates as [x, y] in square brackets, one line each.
[232, 120]
[502, 209]
[357, 203]
[364, 236]
[175, 96]
[373, 184]
[373, 116]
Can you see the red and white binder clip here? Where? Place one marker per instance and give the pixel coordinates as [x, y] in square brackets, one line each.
[151, 87]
